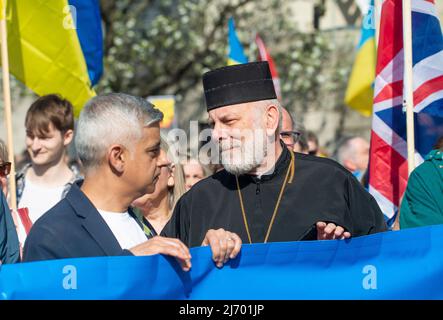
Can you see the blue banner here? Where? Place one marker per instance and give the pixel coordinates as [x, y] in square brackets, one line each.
[405, 264]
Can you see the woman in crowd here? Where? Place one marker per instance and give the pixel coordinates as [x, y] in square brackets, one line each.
[156, 208]
[194, 172]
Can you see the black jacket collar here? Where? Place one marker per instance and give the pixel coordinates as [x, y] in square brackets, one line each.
[93, 221]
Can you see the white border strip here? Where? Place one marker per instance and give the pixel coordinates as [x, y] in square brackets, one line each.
[428, 69]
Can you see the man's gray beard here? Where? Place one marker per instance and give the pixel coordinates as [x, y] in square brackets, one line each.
[248, 160]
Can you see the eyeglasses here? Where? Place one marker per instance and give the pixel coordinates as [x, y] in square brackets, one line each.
[5, 169]
[291, 136]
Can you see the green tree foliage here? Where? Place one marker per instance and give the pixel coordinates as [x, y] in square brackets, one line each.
[163, 47]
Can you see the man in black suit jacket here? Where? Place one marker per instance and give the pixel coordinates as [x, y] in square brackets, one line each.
[72, 228]
[118, 142]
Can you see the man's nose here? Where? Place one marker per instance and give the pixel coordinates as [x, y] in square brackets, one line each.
[218, 133]
[163, 160]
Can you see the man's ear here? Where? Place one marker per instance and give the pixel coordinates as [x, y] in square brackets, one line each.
[272, 119]
[117, 157]
[67, 137]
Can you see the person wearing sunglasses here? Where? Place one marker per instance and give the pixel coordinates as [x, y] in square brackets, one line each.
[266, 192]
[5, 170]
[287, 132]
[9, 244]
[292, 134]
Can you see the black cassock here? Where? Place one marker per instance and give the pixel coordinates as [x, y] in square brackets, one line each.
[321, 190]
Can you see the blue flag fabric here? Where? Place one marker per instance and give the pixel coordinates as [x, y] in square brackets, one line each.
[90, 35]
[236, 53]
[404, 264]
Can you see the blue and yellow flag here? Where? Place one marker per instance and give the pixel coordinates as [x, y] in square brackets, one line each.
[44, 49]
[236, 54]
[360, 92]
[89, 31]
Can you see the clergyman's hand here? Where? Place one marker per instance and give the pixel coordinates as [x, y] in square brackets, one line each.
[167, 246]
[225, 245]
[330, 231]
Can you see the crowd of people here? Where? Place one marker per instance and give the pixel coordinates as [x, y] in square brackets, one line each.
[125, 193]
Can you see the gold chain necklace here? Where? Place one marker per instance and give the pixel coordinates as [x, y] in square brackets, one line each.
[290, 171]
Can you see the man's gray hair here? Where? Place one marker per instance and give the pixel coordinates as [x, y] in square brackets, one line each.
[345, 149]
[114, 118]
[275, 102]
[280, 123]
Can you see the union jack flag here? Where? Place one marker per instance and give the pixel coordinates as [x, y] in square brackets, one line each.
[388, 168]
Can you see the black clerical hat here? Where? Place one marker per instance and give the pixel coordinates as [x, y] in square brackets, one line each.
[238, 84]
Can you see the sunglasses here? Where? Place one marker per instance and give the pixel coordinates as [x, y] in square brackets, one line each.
[293, 135]
[5, 169]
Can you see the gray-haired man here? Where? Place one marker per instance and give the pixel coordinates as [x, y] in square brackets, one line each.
[118, 142]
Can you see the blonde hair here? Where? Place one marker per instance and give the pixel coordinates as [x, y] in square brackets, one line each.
[4, 156]
[179, 188]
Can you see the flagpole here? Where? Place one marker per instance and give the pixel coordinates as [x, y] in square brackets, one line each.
[7, 102]
[377, 11]
[408, 91]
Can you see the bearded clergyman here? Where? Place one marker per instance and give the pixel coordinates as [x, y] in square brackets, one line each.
[267, 193]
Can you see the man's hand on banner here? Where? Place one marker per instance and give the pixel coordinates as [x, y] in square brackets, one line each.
[330, 231]
[167, 246]
[225, 245]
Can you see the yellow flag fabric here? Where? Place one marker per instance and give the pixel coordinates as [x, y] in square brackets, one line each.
[44, 50]
[165, 104]
[360, 92]
[2, 13]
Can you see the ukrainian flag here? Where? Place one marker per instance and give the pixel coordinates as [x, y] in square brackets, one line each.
[44, 48]
[236, 54]
[360, 92]
[90, 35]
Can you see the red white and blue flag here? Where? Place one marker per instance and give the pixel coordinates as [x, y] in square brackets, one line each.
[388, 166]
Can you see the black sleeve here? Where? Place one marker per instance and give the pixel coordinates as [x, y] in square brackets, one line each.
[42, 244]
[366, 216]
[9, 245]
[178, 226]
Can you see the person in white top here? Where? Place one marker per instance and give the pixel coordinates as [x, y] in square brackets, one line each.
[118, 143]
[41, 184]
[125, 229]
